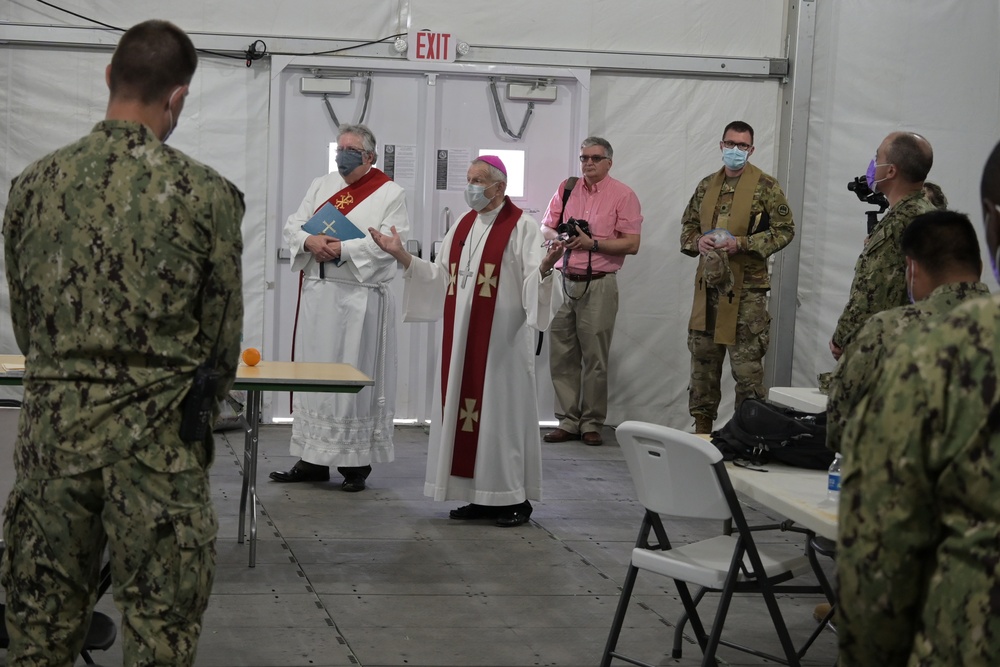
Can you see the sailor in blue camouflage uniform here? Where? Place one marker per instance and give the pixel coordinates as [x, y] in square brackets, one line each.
[123, 259]
[901, 163]
[943, 268]
[918, 556]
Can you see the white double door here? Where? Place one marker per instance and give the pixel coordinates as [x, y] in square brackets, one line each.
[429, 124]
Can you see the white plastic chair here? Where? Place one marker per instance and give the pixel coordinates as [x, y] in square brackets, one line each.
[681, 475]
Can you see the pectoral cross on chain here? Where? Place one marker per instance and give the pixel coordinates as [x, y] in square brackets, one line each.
[466, 274]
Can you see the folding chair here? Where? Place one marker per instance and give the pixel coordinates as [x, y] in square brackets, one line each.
[681, 475]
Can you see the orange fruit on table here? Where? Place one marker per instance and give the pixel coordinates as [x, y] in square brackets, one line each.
[251, 356]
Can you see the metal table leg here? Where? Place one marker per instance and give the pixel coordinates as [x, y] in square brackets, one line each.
[248, 491]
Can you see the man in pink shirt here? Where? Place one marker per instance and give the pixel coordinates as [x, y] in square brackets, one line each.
[600, 224]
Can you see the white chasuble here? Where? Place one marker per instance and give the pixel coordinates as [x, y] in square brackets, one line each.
[508, 461]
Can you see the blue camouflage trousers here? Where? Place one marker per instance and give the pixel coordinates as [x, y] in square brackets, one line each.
[160, 532]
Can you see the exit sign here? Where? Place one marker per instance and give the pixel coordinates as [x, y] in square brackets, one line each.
[428, 46]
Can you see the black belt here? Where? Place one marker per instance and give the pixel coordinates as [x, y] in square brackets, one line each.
[582, 277]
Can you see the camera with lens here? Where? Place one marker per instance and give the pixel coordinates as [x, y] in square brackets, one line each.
[859, 186]
[572, 227]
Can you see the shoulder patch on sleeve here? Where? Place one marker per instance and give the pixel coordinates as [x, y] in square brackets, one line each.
[782, 210]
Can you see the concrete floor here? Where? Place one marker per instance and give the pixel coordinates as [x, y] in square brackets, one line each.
[384, 578]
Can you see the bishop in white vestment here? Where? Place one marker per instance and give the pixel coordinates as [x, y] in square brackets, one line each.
[494, 287]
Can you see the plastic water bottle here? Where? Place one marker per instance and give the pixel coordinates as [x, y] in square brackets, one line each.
[833, 480]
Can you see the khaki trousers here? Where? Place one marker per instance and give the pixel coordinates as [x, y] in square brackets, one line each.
[579, 342]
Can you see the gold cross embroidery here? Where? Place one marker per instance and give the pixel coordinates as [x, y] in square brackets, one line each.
[452, 277]
[468, 414]
[487, 280]
[344, 201]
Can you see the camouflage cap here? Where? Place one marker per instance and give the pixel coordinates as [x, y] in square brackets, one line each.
[717, 271]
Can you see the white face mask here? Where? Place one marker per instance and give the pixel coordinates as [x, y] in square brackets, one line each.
[475, 196]
[170, 113]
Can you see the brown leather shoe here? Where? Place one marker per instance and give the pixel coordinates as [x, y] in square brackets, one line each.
[593, 438]
[559, 435]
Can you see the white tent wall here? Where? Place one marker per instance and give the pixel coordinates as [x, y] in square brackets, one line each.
[929, 67]
[50, 97]
[925, 65]
[666, 135]
[706, 27]
[664, 128]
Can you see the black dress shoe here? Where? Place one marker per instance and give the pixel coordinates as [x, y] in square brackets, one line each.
[514, 515]
[302, 472]
[353, 484]
[354, 477]
[473, 511]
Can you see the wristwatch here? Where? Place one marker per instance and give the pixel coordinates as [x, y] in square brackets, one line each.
[546, 274]
[594, 247]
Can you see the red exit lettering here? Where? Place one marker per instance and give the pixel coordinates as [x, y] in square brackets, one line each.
[432, 45]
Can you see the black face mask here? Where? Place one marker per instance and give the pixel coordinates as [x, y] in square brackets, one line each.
[348, 160]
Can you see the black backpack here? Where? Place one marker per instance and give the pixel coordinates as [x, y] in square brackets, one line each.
[762, 433]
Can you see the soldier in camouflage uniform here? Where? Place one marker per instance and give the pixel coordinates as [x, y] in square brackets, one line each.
[123, 259]
[943, 268]
[918, 556]
[901, 164]
[752, 208]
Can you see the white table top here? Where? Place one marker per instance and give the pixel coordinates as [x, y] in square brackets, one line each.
[795, 493]
[807, 399]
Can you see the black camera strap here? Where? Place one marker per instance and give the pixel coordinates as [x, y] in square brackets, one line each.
[590, 272]
[567, 191]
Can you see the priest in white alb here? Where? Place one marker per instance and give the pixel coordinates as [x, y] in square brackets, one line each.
[494, 286]
[346, 314]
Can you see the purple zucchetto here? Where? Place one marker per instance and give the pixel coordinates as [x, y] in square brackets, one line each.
[493, 161]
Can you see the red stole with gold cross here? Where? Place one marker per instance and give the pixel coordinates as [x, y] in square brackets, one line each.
[484, 301]
[355, 193]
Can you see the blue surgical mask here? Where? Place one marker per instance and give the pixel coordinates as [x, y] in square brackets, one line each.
[475, 196]
[734, 158]
[348, 160]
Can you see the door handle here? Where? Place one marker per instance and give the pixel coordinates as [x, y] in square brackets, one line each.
[446, 219]
[413, 247]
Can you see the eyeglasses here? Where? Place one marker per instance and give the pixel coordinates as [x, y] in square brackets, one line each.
[596, 159]
[350, 150]
[733, 144]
